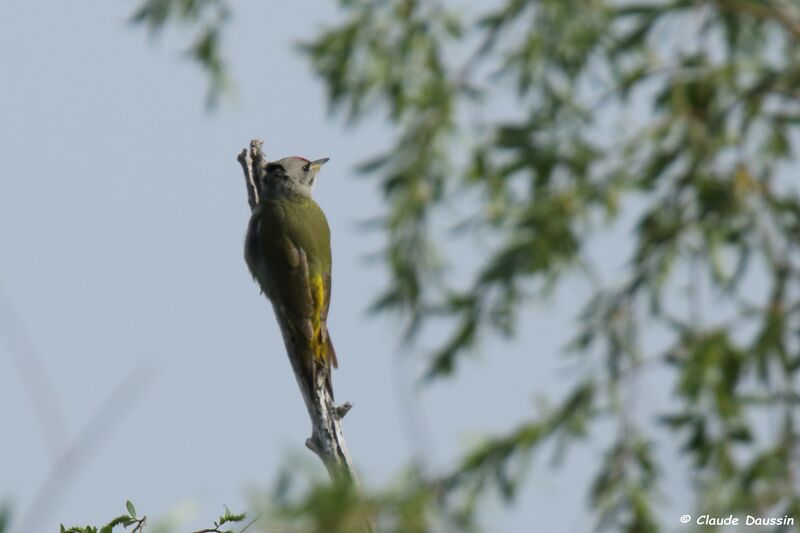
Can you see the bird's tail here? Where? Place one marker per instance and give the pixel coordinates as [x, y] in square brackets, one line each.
[331, 355]
[310, 364]
[324, 356]
[330, 361]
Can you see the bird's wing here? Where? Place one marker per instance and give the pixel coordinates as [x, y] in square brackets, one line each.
[326, 284]
[297, 241]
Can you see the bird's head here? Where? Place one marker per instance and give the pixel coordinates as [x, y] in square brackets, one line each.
[295, 174]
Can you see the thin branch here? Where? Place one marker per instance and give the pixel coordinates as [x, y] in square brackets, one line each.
[251, 522]
[34, 375]
[140, 523]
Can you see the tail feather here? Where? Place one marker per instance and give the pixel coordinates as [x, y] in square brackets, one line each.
[306, 357]
[332, 353]
[331, 362]
[324, 357]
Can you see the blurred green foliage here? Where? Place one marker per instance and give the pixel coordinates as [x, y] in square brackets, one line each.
[137, 525]
[206, 18]
[125, 520]
[5, 516]
[411, 504]
[682, 114]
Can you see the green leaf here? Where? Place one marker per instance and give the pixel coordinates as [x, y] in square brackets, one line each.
[131, 508]
[227, 516]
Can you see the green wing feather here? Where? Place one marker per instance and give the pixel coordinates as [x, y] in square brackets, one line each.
[288, 251]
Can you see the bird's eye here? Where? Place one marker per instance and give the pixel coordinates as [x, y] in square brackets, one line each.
[306, 167]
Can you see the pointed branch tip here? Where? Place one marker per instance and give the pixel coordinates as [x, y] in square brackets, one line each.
[343, 410]
[311, 445]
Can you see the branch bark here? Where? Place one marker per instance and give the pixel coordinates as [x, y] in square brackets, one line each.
[327, 439]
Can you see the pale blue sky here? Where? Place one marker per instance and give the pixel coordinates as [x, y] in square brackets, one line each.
[122, 215]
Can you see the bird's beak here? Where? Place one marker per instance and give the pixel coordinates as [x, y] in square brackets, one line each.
[319, 162]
